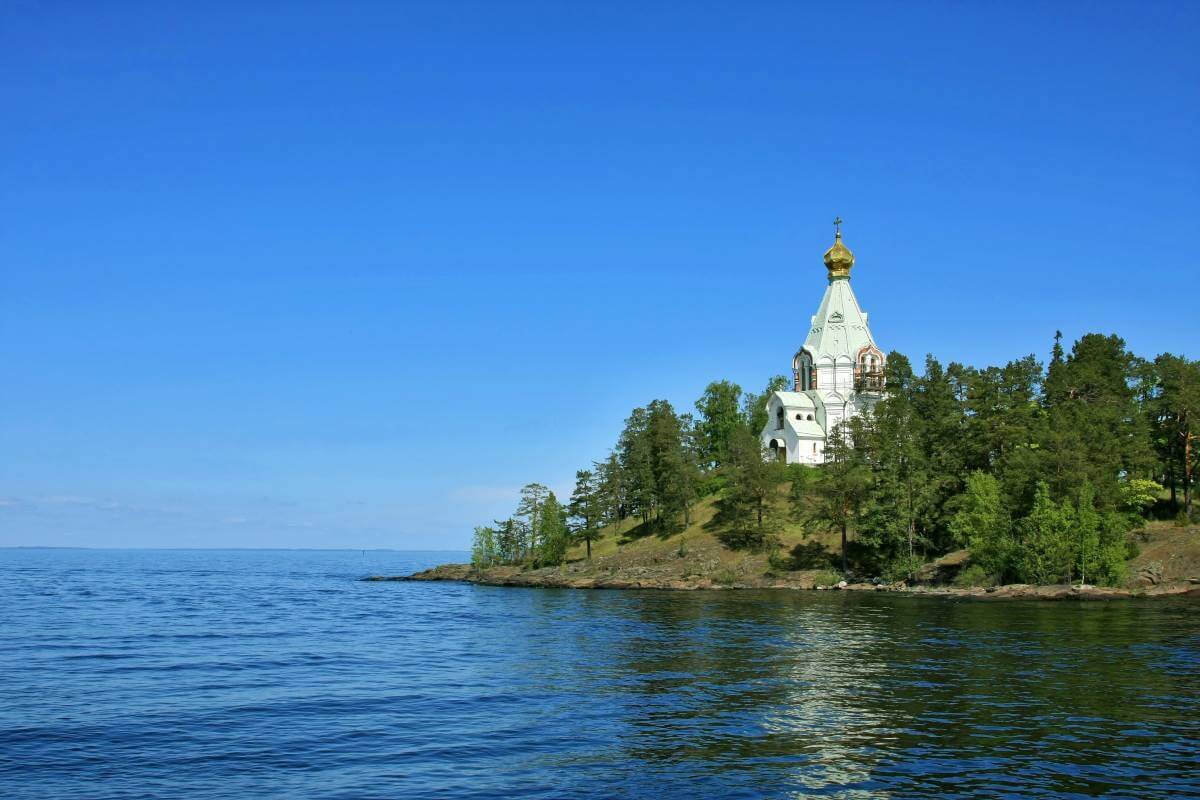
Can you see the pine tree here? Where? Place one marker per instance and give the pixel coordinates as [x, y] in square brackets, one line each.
[981, 523]
[610, 480]
[720, 417]
[675, 475]
[586, 508]
[748, 513]
[637, 464]
[1175, 412]
[843, 484]
[529, 515]
[553, 537]
[1045, 552]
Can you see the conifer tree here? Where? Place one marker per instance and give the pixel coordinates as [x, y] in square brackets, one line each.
[553, 537]
[610, 479]
[748, 513]
[843, 482]
[720, 417]
[586, 508]
[1045, 551]
[529, 515]
[637, 464]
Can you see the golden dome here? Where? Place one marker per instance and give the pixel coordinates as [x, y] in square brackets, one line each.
[838, 259]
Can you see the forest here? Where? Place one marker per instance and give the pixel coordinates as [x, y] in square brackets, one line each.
[1040, 470]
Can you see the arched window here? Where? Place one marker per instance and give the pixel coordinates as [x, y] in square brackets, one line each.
[802, 369]
[779, 419]
[810, 417]
[869, 377]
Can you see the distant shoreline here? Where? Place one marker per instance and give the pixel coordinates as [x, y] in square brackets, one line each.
[553, 578]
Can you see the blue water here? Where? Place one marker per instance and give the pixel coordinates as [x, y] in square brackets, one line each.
[244, 674]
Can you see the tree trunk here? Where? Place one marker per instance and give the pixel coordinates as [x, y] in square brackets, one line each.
[843, 549]
[1187, 472]
[588, 540]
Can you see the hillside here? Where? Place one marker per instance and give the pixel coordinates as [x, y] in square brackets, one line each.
[624, 557]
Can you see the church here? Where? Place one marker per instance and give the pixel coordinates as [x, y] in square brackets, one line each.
[837, 374]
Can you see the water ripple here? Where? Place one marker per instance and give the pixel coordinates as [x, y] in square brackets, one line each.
[240, 674]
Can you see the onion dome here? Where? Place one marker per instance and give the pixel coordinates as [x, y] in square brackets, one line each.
[838, 259]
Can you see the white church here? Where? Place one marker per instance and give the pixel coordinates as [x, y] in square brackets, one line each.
[838, 373]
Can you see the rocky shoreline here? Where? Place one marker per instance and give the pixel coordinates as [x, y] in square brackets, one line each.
[556, 579]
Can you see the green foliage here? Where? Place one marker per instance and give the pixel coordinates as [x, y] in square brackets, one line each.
[1045, 552]
[720, 419]
[974, 575]
[827, 578]
[1040, 473]
[659, 470]
[981, 522]
[748, 513]
[842, 485]
[809, 555]
[553, 537]
[586, 508]
[484, 551]
[724, 577]
[902, 567]
[754, 406]
[1138, 494]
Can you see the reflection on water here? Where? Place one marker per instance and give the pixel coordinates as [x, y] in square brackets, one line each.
[234, 674]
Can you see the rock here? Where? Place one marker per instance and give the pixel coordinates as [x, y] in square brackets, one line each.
[842, 584]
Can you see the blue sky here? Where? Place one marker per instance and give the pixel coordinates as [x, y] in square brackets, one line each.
[348, 275]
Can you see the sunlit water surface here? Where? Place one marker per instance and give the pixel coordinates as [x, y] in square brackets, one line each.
[240, 674]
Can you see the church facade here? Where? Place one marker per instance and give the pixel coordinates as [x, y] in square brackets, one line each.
[837, 373]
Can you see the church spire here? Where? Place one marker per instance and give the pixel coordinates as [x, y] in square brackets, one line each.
[838, 259]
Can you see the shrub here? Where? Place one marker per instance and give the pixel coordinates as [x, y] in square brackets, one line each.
[974, 575]
[811, 555]
[724, 576]
[901, 568]
[826, 578]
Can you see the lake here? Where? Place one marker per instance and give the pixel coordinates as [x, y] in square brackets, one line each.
[240, 674]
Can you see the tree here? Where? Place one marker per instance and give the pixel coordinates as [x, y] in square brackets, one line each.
[895, 513]
[1045, 552]
[483, 547]
[610, 480]
[747, 513]
[843, 484]
[1096, 431]
[529, 511]
[509, 541]
[674, 472]
[553, 536]
[1175, 413]
[637, 464]
[981, 523]
[1087, 533]
[586, 508]
[720, 418]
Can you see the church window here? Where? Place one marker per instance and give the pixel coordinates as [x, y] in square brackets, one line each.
[779, 419]
[805, 375]
[814, 447]
[810, 417]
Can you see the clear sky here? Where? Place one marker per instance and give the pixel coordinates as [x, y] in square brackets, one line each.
[349, 274]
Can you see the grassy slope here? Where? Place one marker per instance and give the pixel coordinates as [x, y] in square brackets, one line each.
[624, 549]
